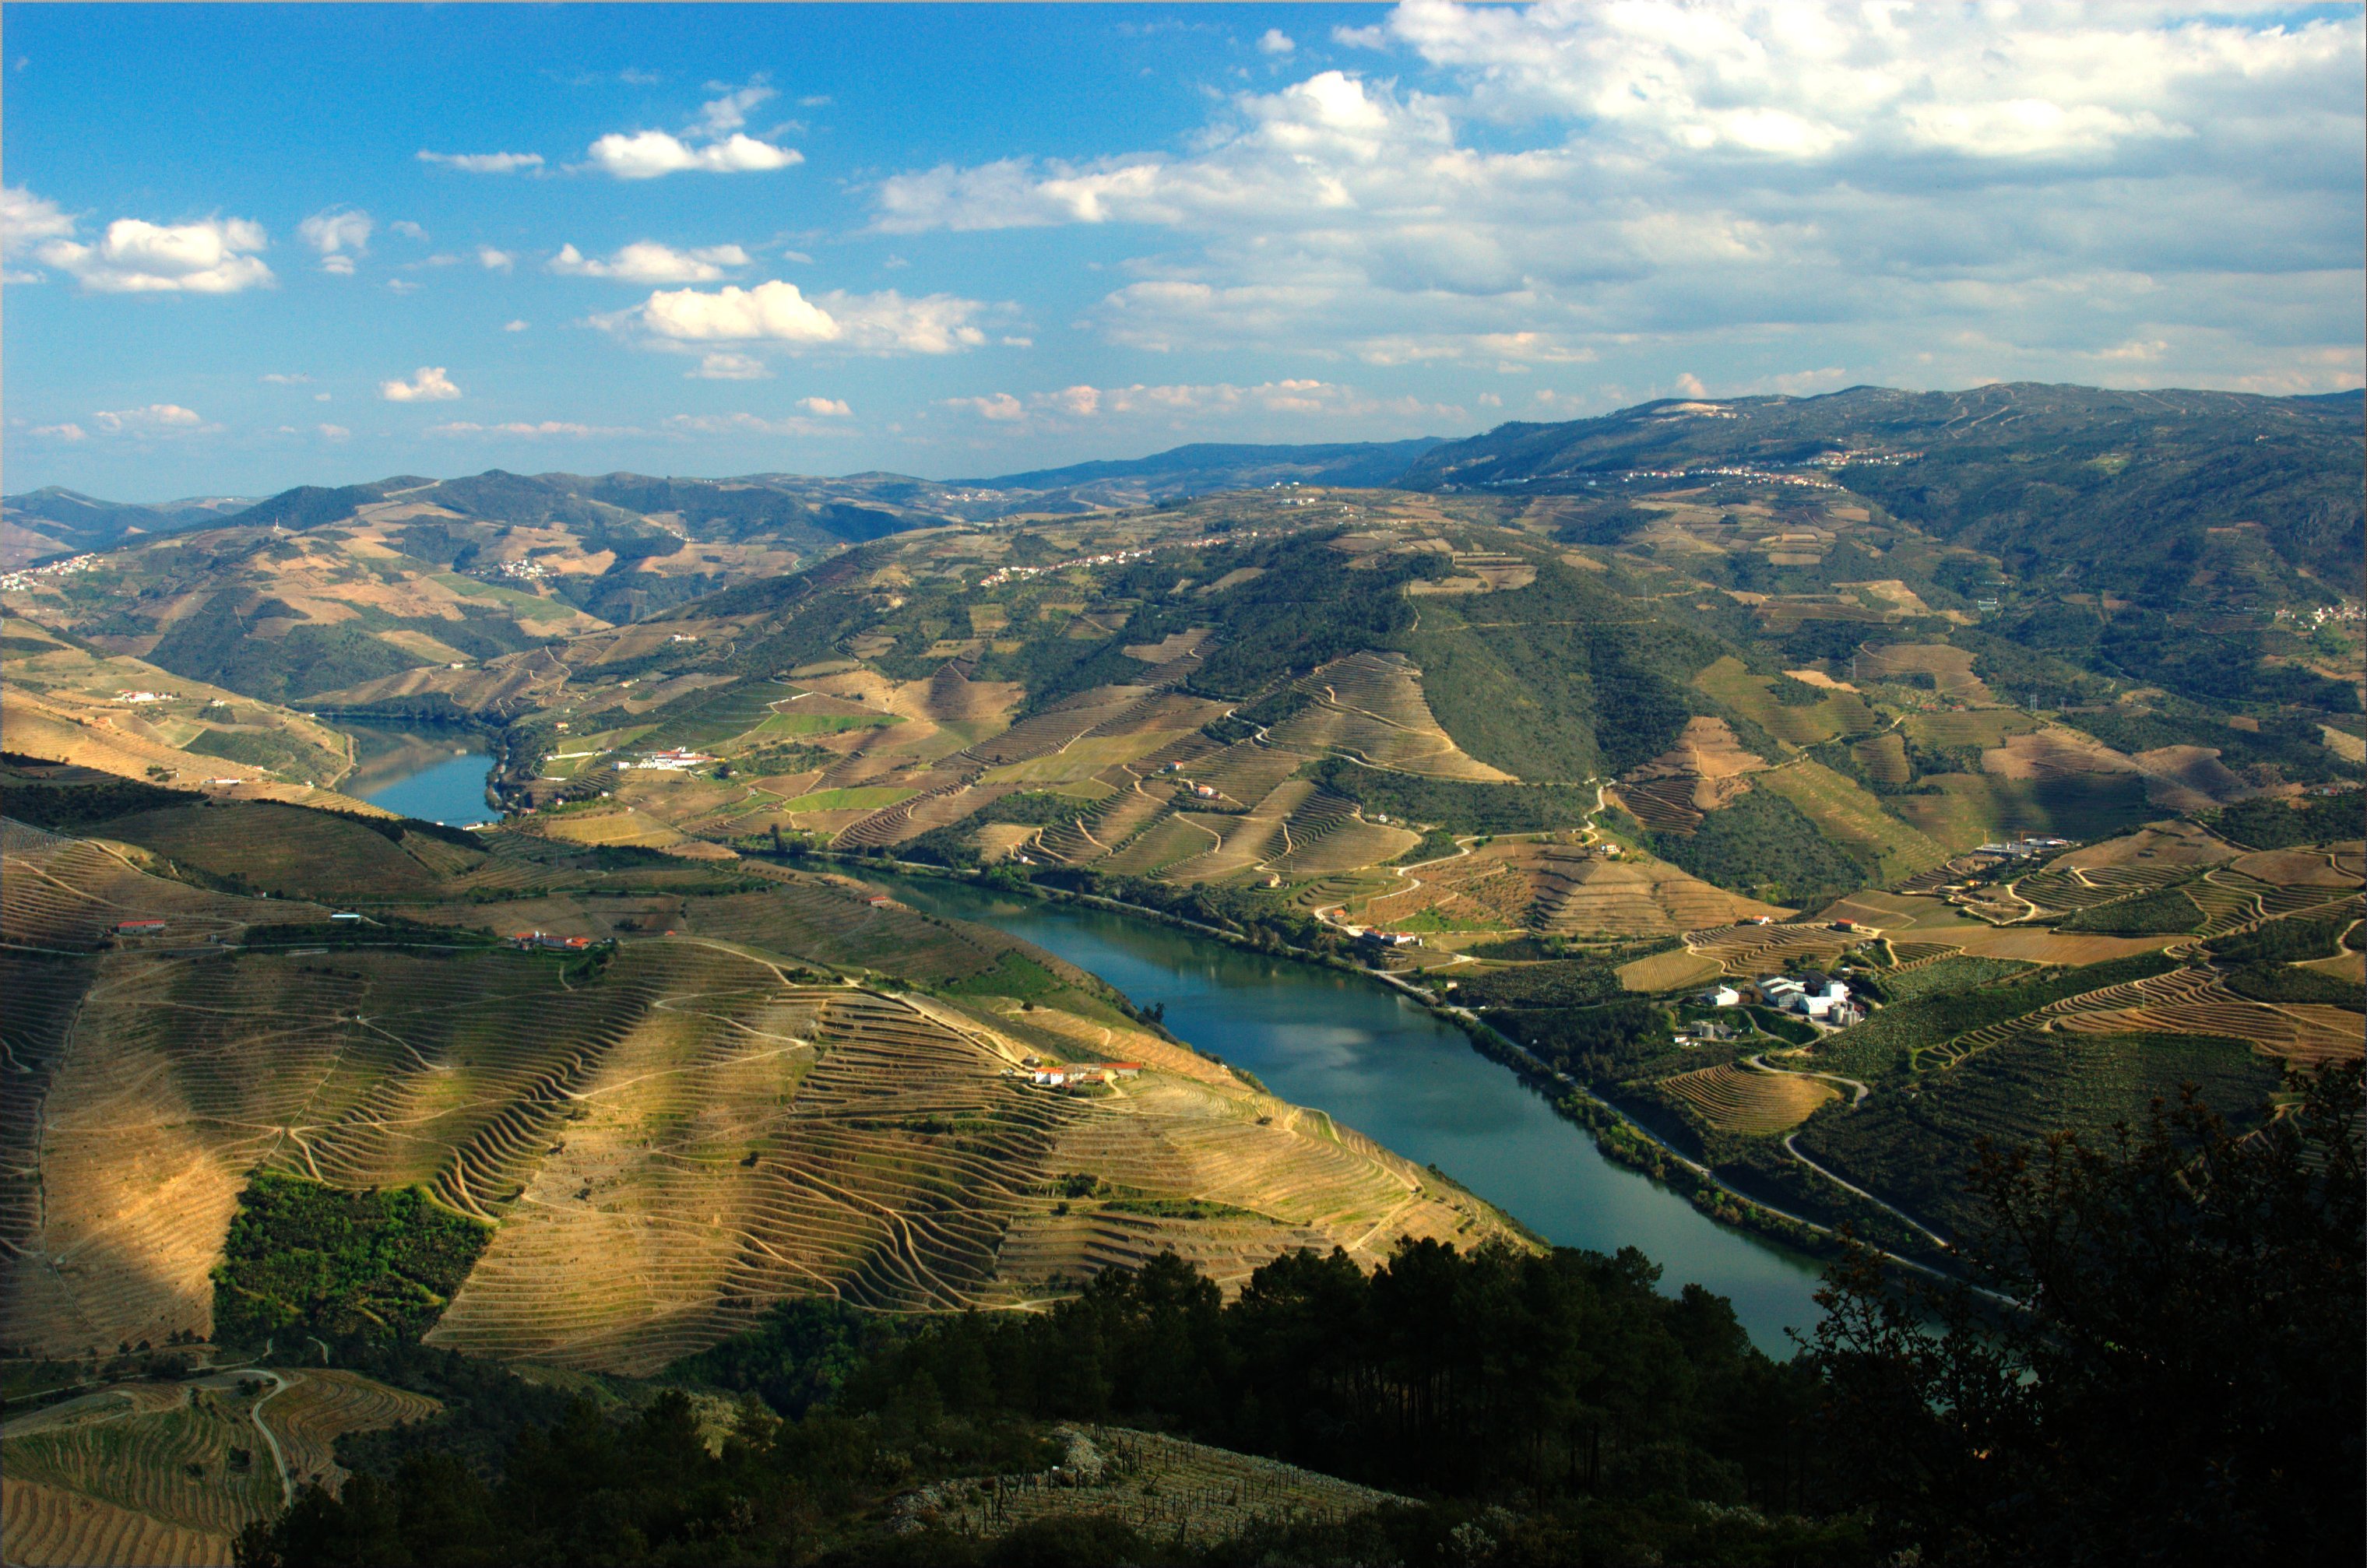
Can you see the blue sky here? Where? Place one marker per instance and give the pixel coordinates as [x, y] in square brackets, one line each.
[249, 247]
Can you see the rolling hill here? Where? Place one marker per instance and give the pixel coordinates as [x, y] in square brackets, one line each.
[2142, 491]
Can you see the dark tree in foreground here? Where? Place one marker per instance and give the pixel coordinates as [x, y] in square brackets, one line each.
[2179, 1379]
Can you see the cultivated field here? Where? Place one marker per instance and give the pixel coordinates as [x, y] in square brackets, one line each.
[1166, 1487]
[166, 1473]
[1739, 1099]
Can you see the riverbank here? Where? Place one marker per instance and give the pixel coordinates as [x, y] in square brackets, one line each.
[433, 770]
[1616, 1135]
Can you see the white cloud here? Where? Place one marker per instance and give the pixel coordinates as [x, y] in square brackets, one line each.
[280, 378]
[825, 408]
[484, 163]
[67, 432]
[334, 432]
[1639, 183]
[516, 326]
[533, 428]
[726, 367]
[492, 260]
[1001, 407]
[428, 386]
[1691, 385]
[714, 143]
[1275, 41]
[1184, 405]
[340, 234]
[26, 220]
[647, 154]
[645, 261]
[402, 286]
[778, 312]
[720, 116]
[214, 255]
[756, 425]
[156, 418]
[407, 229]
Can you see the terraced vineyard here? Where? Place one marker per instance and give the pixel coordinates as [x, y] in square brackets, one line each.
[1370, 707]
[1167, 1487]
[670, 1134]
[1737, 1099]
[166, 1473]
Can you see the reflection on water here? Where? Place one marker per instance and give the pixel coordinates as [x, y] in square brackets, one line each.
[1388, 1069]
[438, 774]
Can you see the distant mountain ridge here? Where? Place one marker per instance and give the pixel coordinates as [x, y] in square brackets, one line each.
[2127, 485]
[56, 520]
[806, 510]
[1202, 466]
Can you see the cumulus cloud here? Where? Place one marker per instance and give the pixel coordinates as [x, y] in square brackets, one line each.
[714, 143]
[1632, 181]
[430, 385]
[825, 408]
[531, 428]
[334, 433]
[720, 116]
[484, 163]
[727, 367]
[645, 261]
[339, 234]
[26, 223]
[647, 154]
[1184, 405]
[1001, 407]
[780, 313]
[214, 255]
[757, 424]
[516, 326]
[1275, 41]
[407, 229]
[67, 431]
[156, 418]
[492, 260]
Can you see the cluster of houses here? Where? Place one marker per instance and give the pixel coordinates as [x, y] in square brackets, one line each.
[2023, 848]
[1076, 1075]
[670, 762]
[1374, 936]
[1817, 997]
[529, 941]
[143, 696]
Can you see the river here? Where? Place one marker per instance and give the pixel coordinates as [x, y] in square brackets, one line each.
[426, 772]
[1388, 1068]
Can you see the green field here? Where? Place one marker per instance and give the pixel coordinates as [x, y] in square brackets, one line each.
[1895, 1037]
[2165, 912]
[823, 723]
[1913, 1150]
[712, 716]
[864, 798]
[1965, 809]
[526, 606]
[1849, 815]
[1828, 719]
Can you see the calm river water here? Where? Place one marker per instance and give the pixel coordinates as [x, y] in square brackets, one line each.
[1388, 1069]
[437, 774]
